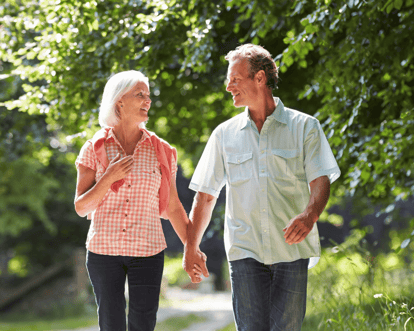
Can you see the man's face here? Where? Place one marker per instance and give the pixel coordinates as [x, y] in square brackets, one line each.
[242, 88]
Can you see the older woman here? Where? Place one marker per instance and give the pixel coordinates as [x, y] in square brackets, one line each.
[126, 182]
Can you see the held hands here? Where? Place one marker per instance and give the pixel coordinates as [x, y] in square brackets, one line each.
[119, 167]
[194, 263]
[299, 227]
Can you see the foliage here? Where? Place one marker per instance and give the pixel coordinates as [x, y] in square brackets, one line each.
[173, 270]
[36, 211]
[347, 62]
[350, 278]
[64, 52]
[364, 78]
[354, 54]
[72, 47]
[25, 197]
[350, 289]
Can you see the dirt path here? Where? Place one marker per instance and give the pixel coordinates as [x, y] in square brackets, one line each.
[215, 307]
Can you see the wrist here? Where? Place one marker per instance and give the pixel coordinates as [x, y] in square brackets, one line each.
[312, 215]
[190, 247]
[106, 180]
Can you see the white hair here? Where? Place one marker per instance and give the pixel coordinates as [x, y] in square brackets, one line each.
[115, 88]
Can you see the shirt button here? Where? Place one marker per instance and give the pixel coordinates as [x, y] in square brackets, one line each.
[264, 209]
[262, 170]
[238, 161]
[124, 230]
[126, 215]
[127, 200]
[129, 185]
[262, 152]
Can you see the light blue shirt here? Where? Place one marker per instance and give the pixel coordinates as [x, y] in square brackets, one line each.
[267, 178]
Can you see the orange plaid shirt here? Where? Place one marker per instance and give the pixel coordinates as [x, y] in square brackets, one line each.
[127, 223]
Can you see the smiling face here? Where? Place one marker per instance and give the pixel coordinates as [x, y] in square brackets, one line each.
[243, 89]
[135, 104]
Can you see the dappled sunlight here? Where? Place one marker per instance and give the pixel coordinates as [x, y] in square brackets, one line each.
[348, 63]
[348, 291]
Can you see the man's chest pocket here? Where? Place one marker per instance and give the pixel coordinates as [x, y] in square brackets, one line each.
[284, 163]
[239, 167]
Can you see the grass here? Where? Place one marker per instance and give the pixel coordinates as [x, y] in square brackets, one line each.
[42, 325]
[230, 327]
[348, 291]
[60, 316]
[33, 323]
[179, 323]
[79, 315]
[351, 290]
[383, 314]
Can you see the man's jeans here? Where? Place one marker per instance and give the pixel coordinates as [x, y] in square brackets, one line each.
[108, 273]
[269, 297]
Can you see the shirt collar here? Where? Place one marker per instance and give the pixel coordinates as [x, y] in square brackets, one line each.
[144, 139]
[111, 135]
[246, 120]
[279, 114]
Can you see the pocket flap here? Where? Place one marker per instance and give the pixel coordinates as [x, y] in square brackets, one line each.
[239, 158]
[286, 153]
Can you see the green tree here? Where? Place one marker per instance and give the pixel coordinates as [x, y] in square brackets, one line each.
[363, 79]
[36, 192]
[347, 62]
[56, 58]
[64, 52]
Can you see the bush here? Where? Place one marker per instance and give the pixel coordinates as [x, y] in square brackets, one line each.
[173, 270]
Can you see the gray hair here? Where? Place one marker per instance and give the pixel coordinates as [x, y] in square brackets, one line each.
[259, 59]
[115, 88]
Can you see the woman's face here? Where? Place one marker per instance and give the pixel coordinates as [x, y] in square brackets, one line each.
[134, 104]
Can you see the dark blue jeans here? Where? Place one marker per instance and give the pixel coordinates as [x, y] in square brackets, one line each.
[269, 297]
[108, 274]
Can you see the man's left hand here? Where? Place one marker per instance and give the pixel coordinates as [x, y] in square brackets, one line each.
[299, 227]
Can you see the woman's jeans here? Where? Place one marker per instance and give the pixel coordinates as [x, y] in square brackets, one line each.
[269, 297]
[108, 273]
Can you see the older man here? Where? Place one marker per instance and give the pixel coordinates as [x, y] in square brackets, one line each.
[277, 167]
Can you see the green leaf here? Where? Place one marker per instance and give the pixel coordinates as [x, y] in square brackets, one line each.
[365, 175]
[387, 4]
[303, 63]
[386, 77]
[304, 22]
[311, 28]
[398, 4]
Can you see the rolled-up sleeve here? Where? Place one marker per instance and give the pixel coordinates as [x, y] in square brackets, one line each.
[86, 156]
[174, 167]
[210, 174]
[318, 157]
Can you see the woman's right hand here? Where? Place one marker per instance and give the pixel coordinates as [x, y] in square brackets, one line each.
[119, 167]
[90, 193]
